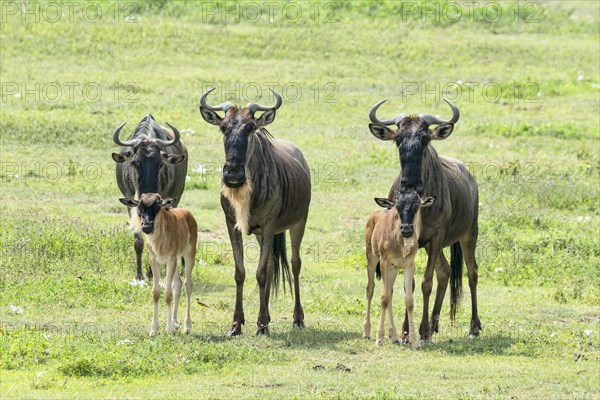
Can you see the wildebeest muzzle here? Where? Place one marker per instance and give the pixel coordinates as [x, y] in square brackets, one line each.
[234, 175]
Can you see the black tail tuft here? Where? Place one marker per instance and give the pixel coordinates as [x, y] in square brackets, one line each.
[282, 268]
[378, 270]
[456, 265]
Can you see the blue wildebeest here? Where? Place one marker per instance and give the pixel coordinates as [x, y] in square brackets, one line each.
[170, 233]
[152, 160]
[451, 221]
[265, 191]
[391, 243]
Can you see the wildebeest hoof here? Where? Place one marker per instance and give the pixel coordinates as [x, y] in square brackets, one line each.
[152, 333]
[367, 337]
[262, 330]
[299, 324]
[378, 342]
[235, 330]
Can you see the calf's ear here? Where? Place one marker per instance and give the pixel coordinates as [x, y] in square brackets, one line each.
[129, 202]
[427, 201]
[168, 202]
[384, 203]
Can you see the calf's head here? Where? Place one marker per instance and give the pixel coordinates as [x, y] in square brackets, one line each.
[238, 126]
[407, 205]
[148, 207]
[412, 136]
[145, 153]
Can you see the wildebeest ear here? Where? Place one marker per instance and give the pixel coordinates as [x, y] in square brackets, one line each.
[168, 202]
[443, 131]
[172, 158]
[210, 116]
[121, 158]
[381, 132]
[427, 201]
[266, 118]
[129, 202]
[384, 203]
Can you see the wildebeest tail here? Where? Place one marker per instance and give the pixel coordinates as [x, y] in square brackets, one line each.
[456, 265]
[378, 270]
[282, 267]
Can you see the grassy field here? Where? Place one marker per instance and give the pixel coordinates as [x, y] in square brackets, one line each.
[526, 77]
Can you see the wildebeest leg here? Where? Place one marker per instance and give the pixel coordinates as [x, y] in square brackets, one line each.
[296, 235]
[442, 273]
[155, 293]
[371, 265]
[138, 245]
[171, 271]
[266, 250]
[390, 283]
[385, 298]
[189, 265]
[176, 295]
[433, 249]
[405, 329]
[468, 248]
[237, 244]
[409, 274]
[270, 273]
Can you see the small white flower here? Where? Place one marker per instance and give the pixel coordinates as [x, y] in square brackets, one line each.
[202, 263]
[200, 169]
[580, 77]
[187, 178]
[539, 94]
[491, 145]
[587, 332]
[499, 270]
[580, 218]
[124, 341]
[141, 283]
[40, 373]
[553, 334]
[460, 82]
[16, 310]
[17, 95]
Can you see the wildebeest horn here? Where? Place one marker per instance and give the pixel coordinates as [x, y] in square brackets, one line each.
[170, 142]
[373, 116]
[221, 107]
[433, 120]
[125, 143]
[254, 107]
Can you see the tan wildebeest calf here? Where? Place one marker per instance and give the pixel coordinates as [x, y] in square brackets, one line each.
[392, 238]
[170, 233]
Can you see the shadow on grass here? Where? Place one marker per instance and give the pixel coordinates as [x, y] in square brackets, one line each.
[492, 345]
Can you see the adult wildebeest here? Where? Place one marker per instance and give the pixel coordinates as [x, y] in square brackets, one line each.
[451, 221]
[170, 233]
[265, 191]
[152, 160]
[391, 243]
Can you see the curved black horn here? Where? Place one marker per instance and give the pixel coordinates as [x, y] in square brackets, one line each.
[118, 141]
[254, 107]
[433, 120]
[375, 120]
[176, 137]
[221, 107]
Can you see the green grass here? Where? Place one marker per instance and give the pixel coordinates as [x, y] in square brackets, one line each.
[529, 131]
